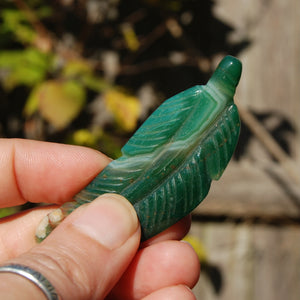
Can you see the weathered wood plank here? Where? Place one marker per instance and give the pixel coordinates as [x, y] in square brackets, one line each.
[256, 261]
[246, 190]
[272, 61]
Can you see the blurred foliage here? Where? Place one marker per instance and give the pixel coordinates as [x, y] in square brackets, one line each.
[16, 23]
[124, 107]
[77, 71]
[4, 212]
[208, 269]
[198, 247]
[58, 102]
[57, 81]
[23, 67]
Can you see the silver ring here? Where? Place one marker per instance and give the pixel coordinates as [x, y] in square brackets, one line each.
[35, 277]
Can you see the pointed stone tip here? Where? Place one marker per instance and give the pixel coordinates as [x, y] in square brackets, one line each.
[232, 67]
[227, 75]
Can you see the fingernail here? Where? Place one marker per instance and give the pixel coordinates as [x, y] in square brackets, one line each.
[110, 220]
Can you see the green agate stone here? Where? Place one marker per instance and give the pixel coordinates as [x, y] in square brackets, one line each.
[167, 166]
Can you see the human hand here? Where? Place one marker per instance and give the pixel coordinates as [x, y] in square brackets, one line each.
[95, 253]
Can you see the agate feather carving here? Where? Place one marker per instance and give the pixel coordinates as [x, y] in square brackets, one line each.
[167, 166]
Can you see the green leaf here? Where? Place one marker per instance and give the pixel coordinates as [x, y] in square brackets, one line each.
[83, 71]
[4, 212]
[95, 83]
[16, 23]
[93, 137]
[59, 102]
[75, 68]
[24, 67]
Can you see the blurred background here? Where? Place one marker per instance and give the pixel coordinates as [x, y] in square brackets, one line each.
[89, 72]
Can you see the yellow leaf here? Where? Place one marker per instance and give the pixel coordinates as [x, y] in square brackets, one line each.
[130, 37]
[86, 137]
[198, 247]
[58, 102]
[125, 108]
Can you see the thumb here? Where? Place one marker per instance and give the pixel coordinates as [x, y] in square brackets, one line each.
[86, 255]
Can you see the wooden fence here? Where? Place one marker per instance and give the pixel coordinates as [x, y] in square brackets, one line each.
[250, 222]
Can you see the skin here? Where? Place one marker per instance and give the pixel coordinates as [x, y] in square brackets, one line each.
[80, 261]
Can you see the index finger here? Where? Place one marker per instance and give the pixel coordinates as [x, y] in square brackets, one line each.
[33, 171]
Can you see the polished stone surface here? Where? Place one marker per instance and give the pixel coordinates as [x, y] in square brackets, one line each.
[167, 166]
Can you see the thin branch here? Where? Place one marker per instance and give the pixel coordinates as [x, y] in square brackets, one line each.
[44, 41]
[177, 31]
[269, 143]
[147, 42]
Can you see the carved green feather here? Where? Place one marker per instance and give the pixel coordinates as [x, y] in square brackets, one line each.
[167, 166]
